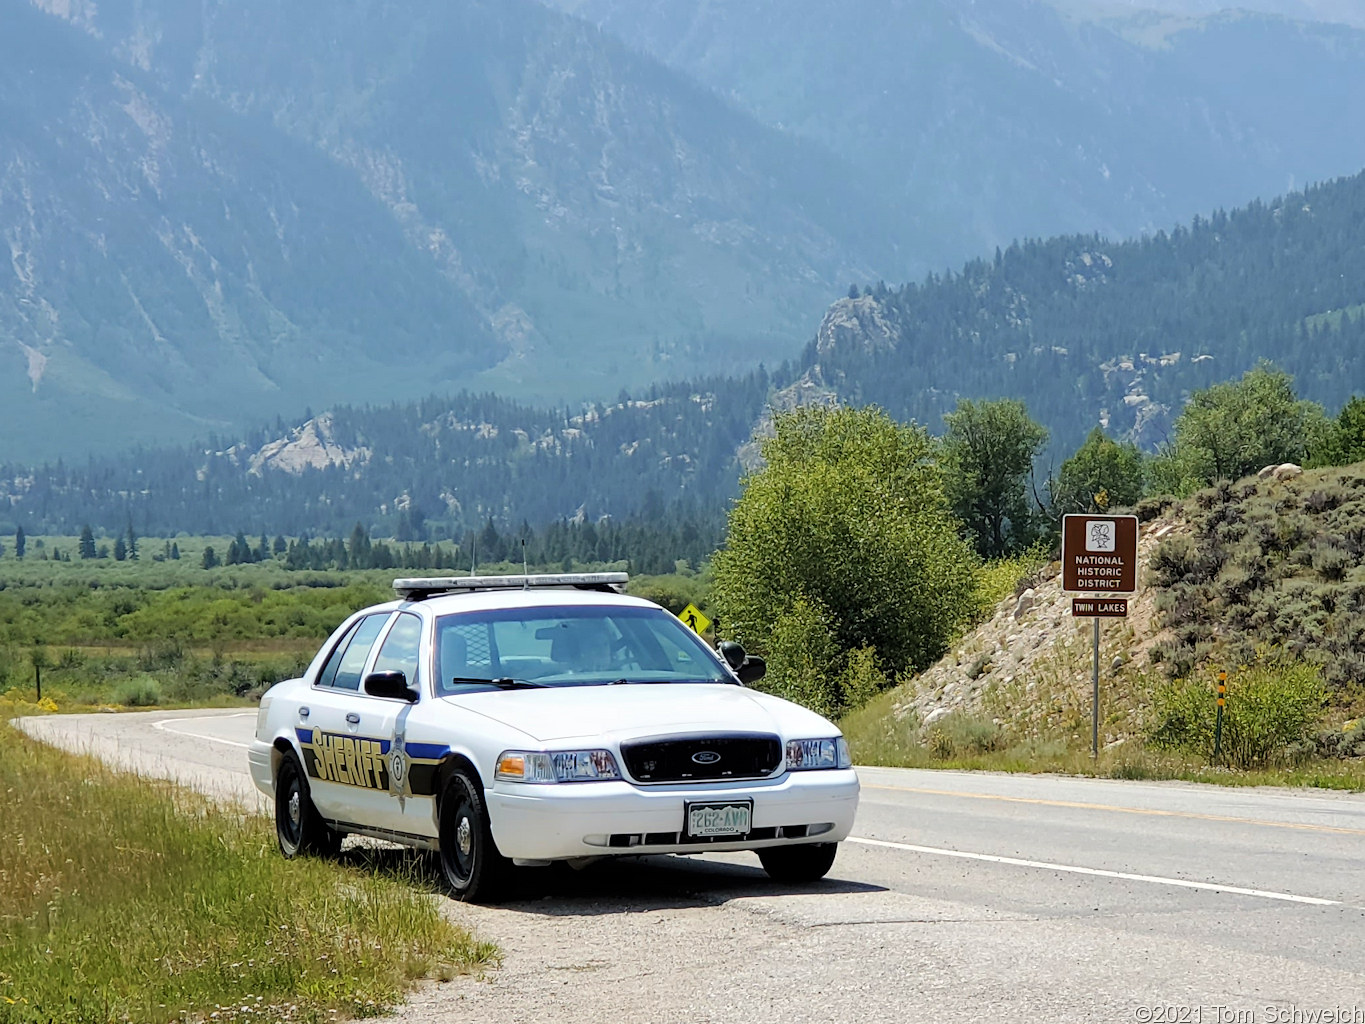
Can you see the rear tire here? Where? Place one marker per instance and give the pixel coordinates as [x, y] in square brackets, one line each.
[808, 862]
[298, 826]
[471, 867]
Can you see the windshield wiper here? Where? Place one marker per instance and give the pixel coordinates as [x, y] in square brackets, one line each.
[503, 683]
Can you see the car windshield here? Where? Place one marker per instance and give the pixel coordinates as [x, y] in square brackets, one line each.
[574, 645]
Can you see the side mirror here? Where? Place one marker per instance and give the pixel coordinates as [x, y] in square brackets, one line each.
[749, 667]
[390, 684]
[753, 669]
[732, 652]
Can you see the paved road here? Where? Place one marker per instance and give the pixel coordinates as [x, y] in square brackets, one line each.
[963, 897]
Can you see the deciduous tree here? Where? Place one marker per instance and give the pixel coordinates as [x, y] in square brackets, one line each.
[1235, 428]
[844, 534]
[1103, 474]
[988, 453]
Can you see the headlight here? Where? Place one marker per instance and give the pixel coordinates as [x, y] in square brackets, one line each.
[556, 766]
[805, 755]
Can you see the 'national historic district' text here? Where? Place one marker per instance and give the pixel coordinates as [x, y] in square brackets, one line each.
[1100, 572]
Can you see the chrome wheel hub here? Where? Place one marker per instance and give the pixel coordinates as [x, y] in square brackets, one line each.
[295, 808]
[464, 837]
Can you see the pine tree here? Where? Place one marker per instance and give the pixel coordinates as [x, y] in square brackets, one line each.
[87, 542]
[120, 550]
[360, 547]
[20, 542]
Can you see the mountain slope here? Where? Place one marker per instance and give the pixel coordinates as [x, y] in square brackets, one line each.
[167, 270]
[1089, 332]
[222, 211]
[1086, 332]
[1005, 119]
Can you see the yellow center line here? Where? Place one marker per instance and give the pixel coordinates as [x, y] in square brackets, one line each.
[1301, 826]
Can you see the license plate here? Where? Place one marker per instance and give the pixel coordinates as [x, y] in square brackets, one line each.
[706, 821]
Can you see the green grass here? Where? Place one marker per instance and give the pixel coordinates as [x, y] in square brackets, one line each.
[877, 737]
[123, 899]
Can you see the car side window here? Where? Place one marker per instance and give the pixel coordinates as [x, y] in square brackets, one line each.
[401, 648]
[329, 668]
[352, 661]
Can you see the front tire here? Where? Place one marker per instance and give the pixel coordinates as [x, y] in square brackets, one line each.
[808, 862]
[298, 826]
[471, 866]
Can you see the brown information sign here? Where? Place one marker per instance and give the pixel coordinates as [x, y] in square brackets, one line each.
[1099, 608]
[1099, 554]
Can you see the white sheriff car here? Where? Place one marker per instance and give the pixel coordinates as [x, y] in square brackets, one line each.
[520, 720]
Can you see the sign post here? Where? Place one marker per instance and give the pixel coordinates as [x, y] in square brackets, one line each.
[1099, 561]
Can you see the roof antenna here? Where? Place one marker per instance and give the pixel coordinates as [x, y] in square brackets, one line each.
[525, 572]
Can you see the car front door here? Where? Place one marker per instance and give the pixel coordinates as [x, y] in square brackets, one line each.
[399, 651]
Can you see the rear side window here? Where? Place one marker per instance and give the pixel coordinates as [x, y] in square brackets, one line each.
[329, 668]
[343, 668]
[401, 647]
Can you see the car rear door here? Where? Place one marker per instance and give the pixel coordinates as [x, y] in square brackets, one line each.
[342, 734]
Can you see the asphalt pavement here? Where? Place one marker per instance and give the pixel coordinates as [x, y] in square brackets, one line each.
[961, 896]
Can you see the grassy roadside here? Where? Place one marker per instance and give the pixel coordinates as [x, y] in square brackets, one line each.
[877, 737]
[123, 899]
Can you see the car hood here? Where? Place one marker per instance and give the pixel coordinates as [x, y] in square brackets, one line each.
[636, 710]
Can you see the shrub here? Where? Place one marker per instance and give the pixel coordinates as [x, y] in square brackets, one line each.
[1001, 577]
[861, 680]
[804, 659]
[1150, 508]
[139, 692]
[957, 734]
[1272, 705]
[1174, 560]
[1348, 741]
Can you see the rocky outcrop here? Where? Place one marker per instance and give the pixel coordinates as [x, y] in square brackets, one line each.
[311, 446]
[862, 326]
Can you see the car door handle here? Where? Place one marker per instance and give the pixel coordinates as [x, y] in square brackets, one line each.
[303, 712]
[353, 718]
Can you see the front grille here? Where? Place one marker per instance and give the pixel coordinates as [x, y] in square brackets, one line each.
[633, 839]
[703, 758]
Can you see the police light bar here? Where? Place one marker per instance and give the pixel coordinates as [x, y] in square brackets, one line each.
[415, 589]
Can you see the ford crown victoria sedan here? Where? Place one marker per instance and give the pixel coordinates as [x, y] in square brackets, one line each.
[522, 720]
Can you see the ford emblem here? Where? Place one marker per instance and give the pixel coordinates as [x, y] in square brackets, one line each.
[706, 757]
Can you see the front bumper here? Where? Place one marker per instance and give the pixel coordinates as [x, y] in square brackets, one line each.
[567, 820]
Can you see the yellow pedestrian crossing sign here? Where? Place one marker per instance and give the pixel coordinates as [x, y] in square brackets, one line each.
[695, 619]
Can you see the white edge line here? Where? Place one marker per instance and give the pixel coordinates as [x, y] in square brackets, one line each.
[1099, 872]
[163, 723]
